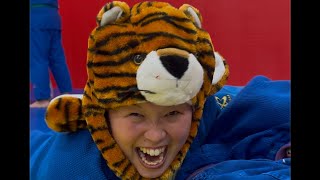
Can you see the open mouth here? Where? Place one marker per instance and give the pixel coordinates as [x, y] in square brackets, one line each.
[152, 157]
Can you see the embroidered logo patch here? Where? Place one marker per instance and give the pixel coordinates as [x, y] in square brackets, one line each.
[223, 101]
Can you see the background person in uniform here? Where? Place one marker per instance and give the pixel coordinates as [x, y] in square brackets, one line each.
[46, 52]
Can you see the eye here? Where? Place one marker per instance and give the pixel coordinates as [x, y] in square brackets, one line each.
[172, 113]
[137, 59]
[135, 115]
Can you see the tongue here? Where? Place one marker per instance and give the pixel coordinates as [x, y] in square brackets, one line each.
[151, 158]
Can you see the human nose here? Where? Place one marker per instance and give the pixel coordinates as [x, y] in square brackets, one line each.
[155, 134]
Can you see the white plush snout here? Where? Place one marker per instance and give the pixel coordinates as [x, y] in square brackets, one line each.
[167, 82]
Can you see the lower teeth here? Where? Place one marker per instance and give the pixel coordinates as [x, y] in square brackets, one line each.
[151, 163]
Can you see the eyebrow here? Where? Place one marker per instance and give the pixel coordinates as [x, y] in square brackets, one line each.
[137, 105]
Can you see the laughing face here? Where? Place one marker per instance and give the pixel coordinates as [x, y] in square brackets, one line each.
[151, 135]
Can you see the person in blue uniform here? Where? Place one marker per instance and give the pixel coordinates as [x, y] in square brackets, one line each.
[46, 52]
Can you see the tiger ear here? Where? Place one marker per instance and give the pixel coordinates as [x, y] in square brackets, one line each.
[221, 73]
[115, 11]
[64, 113]
[193, 13]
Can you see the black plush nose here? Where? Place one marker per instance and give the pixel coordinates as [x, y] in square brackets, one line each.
[175, 65]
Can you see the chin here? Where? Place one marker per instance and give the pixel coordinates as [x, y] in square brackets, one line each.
[151, 173]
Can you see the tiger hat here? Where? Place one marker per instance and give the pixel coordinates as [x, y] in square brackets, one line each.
[152, 52]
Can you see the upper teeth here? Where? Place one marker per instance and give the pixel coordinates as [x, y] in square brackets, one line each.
[152, 152]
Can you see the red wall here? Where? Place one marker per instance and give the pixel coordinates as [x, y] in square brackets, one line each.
[254, 36]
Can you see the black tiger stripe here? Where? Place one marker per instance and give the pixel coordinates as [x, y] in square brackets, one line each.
[111, 5]
[90, 113]
[218, 86]
[204, 40]
[136, 175]
[85, 94]
[101, 28]
[180, 155]
[156, 14]
[96, 129]
[114, 88]
[113, 36]
[129, 45]
[172, 168]
[118, 164]
[90, 128]
[64, 127]
[210, 75]
[189, 140]
[112, 75]
[224, 63]
[164, 16]
[125, 170]
[94, 107]
[108, 6]
[58, 105]
[138, 8]
[91, 37]
[196, 105]
[67, 111]
[208, 69]
[187, 12]
[110, 100]
[106, 148]
[151, 36]
[191, 136]
[89, 83]
[99, 141]
[203, 53]
[196, 119]
[81, 122]
[98, 20]
[94, 95]
[169, 20]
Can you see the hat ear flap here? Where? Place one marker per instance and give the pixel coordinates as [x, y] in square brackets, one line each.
[221, 73]
[193, 13]
[64, 113]
[113, 12]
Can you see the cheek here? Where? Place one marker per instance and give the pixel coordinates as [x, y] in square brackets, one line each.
[181, 129]
[122, 132]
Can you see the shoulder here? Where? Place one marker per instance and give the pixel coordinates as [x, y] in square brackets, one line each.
[259, 88]
[259, 96]
[253, 101]
[259, 105]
